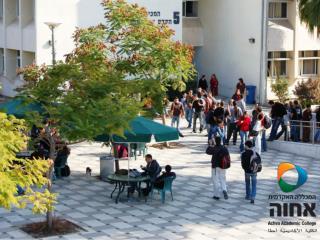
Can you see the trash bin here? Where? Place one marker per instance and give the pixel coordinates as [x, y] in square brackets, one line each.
[251, 94]
[106, 166]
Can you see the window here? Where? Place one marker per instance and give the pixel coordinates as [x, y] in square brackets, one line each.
[1, 8]
[18, 59]
[309, 61]
[277, 63]
[190, 8]
[1, 61]
[278, 9]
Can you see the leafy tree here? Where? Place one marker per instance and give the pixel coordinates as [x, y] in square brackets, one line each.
[310, 13]
[28, 174]
[95, 90]
[280, 88]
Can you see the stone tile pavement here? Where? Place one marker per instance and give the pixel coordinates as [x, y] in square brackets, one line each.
[192, 215]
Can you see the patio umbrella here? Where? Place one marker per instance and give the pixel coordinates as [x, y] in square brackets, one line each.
[141, 131]
[19, 108]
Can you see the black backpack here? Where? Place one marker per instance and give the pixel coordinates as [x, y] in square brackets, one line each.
[255, 163]
[65, 172]
[267, 122]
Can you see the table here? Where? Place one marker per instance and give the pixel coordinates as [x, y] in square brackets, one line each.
[24, 154]
[122, 181]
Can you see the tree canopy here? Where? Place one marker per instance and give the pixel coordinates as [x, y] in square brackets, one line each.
[114, 66]
[29, 174]
[310, 13]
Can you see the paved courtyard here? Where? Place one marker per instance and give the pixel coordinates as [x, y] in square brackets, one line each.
[192, 215]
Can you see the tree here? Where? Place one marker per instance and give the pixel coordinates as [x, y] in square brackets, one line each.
[95, 90]
[28, 174]
[280, 88]
[308, 92]
[310, 13]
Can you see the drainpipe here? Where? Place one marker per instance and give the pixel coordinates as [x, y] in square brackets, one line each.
[263, 53]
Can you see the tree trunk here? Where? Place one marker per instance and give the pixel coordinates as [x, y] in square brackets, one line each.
[52, 157]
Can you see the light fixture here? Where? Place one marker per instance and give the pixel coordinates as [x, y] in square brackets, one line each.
[52, 26]
[252, 40]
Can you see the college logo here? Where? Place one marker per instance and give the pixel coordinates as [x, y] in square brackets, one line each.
[302, 177]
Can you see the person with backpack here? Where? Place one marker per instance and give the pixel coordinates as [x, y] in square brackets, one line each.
[256, 132]
[251, 164]
[220, 161]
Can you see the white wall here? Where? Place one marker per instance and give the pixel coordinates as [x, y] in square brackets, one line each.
[85, 13]
[227, 26]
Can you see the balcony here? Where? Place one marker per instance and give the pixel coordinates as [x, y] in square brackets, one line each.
[28, 36]
[192, 31]
[280, 36]
[13, 35]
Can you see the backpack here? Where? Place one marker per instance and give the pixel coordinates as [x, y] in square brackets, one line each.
[255, 163]
[225, 162]
[267, 122]
[65, 172]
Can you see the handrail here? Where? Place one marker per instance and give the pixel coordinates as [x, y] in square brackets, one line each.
[303, 126]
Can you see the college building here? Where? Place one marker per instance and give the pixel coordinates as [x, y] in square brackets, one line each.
[253, 39]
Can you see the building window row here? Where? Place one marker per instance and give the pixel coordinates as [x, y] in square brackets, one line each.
[278, 10]
[190, 8]
[309, 62]
[277, 64]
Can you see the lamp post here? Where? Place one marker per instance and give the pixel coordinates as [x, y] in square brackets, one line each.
[52, 26]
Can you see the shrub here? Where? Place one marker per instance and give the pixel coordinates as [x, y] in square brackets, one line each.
[280, 88]
[308, 91]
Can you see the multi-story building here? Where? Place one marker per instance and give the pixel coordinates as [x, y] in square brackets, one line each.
[25, 37]
[257, 40]
[253, 39]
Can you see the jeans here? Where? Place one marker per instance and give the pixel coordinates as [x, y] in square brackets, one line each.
[189, 113]
[251, 185]
[264, 141]
[276, 123]
[175, 120]
[284, 130]
[219, 181]
[195, 117]
[20, 190]
[232, 130]
[243, 137]
[295, 133]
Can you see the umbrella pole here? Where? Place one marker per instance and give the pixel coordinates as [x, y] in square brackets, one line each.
[129, 158]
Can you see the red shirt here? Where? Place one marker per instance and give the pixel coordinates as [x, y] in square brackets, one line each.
[244, 124]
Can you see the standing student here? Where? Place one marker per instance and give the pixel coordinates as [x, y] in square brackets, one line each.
[244, 125]
[257, 129]
[188, 109]
[220, 155]
[278, 110]
[203, 84]
[306, 118]
[248, 160]
[198, 108]
[235, 113]
[214, 85]
[242, 87]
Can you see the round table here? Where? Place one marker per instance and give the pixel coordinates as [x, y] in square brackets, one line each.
[121, 181]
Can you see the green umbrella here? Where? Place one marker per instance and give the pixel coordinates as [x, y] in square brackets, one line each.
[141, 131]
[19, 107]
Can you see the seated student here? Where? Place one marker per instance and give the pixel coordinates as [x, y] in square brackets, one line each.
[152, 169]
[160, 180]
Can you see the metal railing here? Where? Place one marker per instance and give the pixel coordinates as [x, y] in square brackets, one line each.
[303, 131]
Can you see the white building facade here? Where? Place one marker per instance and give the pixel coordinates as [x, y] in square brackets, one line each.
[25, 38]
[253, 39]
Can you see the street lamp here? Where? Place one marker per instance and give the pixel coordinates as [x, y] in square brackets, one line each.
[52, 26]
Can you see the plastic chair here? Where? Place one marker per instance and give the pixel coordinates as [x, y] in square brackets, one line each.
[166, 188]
